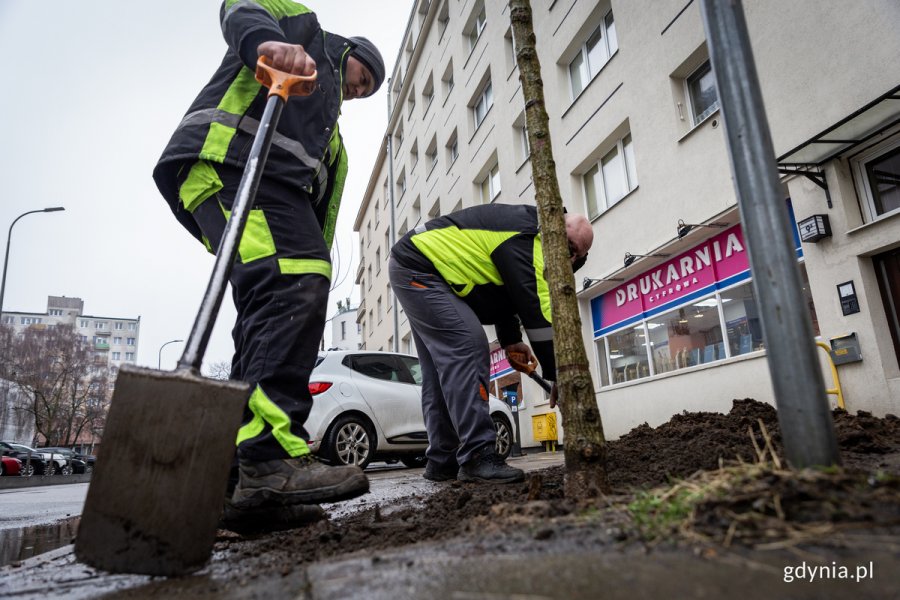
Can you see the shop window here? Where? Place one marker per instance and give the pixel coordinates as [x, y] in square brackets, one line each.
[628, 355]
[686, 337]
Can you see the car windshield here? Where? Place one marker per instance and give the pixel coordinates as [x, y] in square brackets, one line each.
[22, 448]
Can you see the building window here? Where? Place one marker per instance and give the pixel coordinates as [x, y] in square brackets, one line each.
[609, 180]
[380, 309]
[377, 260]
[343, 330]
[431, 155]
[473, 32]
[130, 341]
[119, 325]
[401, 184]
[31, 320]
[701, 93]
[443, 19]
[369, 269]
[483, 104]
[452, 148]
[411, 103]
[132, 326]
[117, 340]
[129, 356]
[447, 79]
[9, 320]
[427, 95]
[878, 178]
[117, 356]
[490, 185]
[55, 312]
[377, 212]
[413, 156]
[100, 324]
[593, 54]
[84, 323]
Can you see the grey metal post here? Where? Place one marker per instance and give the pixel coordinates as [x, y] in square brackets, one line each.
[803, 411]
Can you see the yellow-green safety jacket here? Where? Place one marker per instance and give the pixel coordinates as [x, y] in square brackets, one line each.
[307, 152]
[491, 257]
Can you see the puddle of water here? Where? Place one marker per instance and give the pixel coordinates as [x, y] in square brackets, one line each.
[19, 544]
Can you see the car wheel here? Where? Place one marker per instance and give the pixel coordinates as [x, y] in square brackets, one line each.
[50, 469]
[350, 441]
[504, 435]
[66, 470]
[414, 461]
[27, 470]
[89, 469]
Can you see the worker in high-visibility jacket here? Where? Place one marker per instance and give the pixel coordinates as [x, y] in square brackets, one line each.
[478, 266]
[282, 276]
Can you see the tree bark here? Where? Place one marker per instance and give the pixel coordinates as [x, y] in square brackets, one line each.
[585, 445]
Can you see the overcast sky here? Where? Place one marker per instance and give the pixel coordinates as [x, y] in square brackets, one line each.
[93, 92]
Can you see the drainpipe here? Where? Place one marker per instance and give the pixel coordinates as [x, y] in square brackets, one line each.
[392, 230]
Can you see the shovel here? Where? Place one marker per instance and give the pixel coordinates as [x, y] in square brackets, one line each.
[157, 493]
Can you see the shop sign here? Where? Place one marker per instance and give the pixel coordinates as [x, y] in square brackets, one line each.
[499, 364]
[717, 263]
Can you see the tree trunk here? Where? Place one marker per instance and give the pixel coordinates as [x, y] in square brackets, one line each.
[585, 445]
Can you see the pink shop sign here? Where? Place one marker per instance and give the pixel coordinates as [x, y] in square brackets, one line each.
[719, 261]
[499, 364]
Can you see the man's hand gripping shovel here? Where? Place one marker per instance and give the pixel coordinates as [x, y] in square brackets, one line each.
[157, 493]
[525, 362]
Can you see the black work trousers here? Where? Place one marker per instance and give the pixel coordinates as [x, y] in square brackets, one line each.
[280, 284]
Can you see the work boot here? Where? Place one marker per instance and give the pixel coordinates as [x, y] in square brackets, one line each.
[268, 518]
[301, 480]
[488, 466]
[436, 472]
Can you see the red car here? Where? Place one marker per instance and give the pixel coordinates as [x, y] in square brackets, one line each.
[10, 466]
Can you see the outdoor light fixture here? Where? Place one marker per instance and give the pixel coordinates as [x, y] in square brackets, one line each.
[630, 258]
[814, 228]
[589, 281]
[685, 228]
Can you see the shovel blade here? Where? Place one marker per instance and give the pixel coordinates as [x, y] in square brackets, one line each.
[157, 491]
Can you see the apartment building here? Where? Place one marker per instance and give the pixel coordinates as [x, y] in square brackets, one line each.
[113, 339]
[345, 330]
[669, 316]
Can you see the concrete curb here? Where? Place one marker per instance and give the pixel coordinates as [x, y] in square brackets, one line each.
[13, 482]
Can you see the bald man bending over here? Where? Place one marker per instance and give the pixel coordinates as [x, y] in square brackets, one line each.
[478, 266]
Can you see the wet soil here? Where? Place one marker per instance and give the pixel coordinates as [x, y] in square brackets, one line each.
[700, 484]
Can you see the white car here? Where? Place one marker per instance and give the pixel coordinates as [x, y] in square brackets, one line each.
[368, 406]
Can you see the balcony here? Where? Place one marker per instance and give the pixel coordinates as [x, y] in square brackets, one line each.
[101, 345]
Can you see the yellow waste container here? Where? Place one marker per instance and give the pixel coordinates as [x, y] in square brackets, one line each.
[544, 429]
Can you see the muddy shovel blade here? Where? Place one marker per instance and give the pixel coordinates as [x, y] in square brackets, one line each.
[157, 491]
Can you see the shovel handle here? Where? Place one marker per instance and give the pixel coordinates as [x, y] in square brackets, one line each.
[283, 84]
[529, 368]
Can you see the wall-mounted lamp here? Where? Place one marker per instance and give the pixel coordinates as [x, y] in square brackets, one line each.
[685, 228]
[630, 258]
[589, 281]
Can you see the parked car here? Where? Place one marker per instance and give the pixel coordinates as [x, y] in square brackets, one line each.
[89, 460]
[53, 461]
[368, 406]
[31, 462]
[78, 465]
[10, 465]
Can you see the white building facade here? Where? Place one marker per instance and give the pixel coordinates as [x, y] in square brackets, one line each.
[114, 340]
[640, 148]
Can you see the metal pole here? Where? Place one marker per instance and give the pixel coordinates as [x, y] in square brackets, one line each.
[9, 238]
[803, 410]
[159, 357]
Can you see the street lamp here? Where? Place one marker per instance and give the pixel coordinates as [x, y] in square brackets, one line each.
[9, 237]
[159, 361]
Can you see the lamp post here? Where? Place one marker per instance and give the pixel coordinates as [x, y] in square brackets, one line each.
[9, 237]
[159, 361]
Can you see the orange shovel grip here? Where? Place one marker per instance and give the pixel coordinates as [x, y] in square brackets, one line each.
[283, 84]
